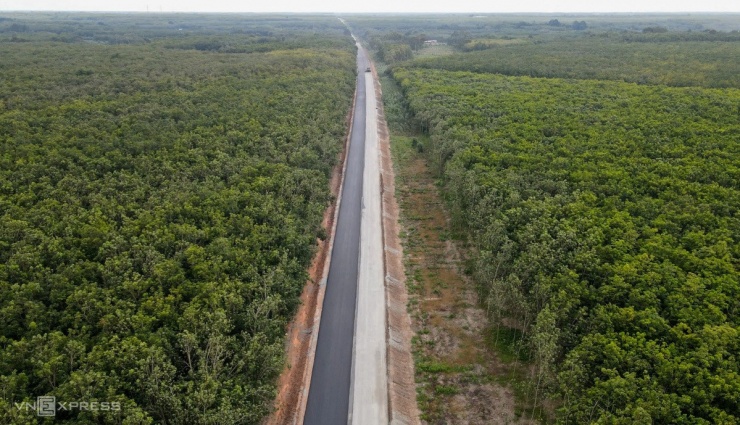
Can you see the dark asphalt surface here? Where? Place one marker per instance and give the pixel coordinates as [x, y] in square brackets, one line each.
[328, 397]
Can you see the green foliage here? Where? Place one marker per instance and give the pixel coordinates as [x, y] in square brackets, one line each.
[656, 59]
[445, 390]
[435, 367]
[250, 31]
[579, 25]
[606, 222]
[158, 209]
[655, 30]
[458, 29]
[487, 43]
[507, 343]
[391, 53]
[395, 47]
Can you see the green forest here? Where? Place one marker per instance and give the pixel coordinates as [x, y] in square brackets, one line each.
[163, 179]
[673, 51]
[703, 60]
[162, 184]
[606, 218]
[593, 163]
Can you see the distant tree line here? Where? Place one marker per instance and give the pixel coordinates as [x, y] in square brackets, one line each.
[675, 59]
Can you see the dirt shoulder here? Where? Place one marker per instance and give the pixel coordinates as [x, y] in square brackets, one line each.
[402, 406]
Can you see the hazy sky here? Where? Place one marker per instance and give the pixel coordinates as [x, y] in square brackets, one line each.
[378, 5]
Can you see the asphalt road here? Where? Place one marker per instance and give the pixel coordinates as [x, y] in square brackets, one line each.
[329, 394]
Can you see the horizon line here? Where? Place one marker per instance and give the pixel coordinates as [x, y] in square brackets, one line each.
[156, 11]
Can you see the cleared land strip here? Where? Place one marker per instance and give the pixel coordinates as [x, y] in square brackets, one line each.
[402, 405]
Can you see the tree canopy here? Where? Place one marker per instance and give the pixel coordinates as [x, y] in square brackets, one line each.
[605, 221]
[160, 202]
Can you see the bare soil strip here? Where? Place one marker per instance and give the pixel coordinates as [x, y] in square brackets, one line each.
[402, 406]
[460, 377]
